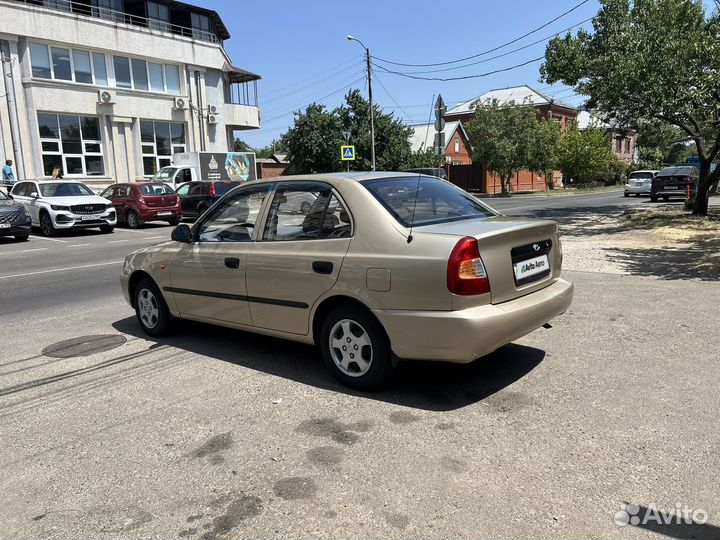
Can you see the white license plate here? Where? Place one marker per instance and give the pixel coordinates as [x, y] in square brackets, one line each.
[670, 188]
[164, 213]
[89, 218]
[4, 225]
[531, 267]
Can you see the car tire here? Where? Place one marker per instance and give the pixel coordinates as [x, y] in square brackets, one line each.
[666, 197]
[653, 198]
[22, 237]
[355, 328]
[627, 194]
[305, 208]
[151, 310]
[133, 220]
[46, 225]
[107, 229]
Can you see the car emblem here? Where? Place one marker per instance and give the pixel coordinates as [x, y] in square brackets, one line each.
[89, 208]
[536, 247]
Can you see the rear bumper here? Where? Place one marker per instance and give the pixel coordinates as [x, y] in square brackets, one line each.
[154, 215]
[643, 190]
[465, 335]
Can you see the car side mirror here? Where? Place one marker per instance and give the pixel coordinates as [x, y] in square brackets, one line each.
[182, 233]
[35, 195]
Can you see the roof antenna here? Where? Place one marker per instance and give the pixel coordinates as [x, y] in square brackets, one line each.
[417, 188]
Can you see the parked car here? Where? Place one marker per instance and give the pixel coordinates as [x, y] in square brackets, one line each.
[639, 183]
[675, 181]
[367, 276]
[64, 204]
[144, 201]
[437, 172]
[196, 197]
[14, 219]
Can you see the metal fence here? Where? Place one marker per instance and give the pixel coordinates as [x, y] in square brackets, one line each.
[81, 8]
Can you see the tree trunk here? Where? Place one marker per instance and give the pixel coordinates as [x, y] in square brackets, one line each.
[706, 180]
[503, 184]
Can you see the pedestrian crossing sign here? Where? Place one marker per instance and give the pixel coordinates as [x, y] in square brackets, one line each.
[347, 152]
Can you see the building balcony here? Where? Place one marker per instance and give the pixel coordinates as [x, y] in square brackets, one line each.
[241, 117]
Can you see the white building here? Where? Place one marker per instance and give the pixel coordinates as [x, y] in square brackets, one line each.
[110, 89]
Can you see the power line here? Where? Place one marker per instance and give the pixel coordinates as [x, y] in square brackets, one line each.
[477, 76]
[324, 74]
[489, 50]
[407, 116]
[507, 53]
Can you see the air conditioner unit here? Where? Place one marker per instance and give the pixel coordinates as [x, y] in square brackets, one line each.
[213, 109]
[180, 103]
[213, 119]
[106, 97]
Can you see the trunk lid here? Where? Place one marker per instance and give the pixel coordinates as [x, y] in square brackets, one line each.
[160, 201]
[520, 255]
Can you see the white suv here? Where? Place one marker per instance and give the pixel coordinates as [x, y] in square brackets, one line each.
[64, 204]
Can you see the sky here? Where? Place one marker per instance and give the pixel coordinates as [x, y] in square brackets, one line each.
[301, 52]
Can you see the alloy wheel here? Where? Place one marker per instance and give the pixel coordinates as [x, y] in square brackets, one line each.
[132, 220]
[148, 308]
[351, 348]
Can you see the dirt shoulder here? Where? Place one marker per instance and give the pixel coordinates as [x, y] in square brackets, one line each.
[665, 243]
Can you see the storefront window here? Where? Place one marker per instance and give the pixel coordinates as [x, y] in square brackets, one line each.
[72, 143]
[160, 140]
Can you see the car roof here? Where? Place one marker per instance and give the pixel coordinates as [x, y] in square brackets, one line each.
[353, 176]
[645, 171]
[57, 181]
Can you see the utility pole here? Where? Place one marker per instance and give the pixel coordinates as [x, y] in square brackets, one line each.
[372, 110]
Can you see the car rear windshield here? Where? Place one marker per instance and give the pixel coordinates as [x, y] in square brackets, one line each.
[64, 190]
[156, 189]
[678, 171]
[223, 187]
[437, 201]
[638, 175]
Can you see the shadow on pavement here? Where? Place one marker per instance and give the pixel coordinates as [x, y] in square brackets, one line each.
[680, 531]
[434, 386]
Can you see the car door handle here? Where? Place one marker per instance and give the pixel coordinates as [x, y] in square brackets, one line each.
[322, 267]
[232, 262]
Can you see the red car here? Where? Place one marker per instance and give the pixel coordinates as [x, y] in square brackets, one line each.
[137, 203]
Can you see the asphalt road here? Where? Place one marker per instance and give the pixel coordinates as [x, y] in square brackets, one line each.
[120, 436]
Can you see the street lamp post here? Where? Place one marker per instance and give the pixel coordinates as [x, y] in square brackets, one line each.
[372, 111]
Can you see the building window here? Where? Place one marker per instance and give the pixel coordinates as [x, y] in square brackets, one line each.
[160, 140]
[627, 146]
[618, 144]
[457, 145]
[40, 61]
[172, 78]
[111, 10]
[81, 67]
[159, 16]
[122, 72]
[201, 26]
[157, 77]
[61, 63]
[100, 69]
[72, 143]
[139, 74]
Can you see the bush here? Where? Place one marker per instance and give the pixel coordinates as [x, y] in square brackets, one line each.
[690, 203]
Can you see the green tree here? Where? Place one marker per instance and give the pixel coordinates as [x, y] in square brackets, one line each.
[275, 147]
[649, 61]
[584, 156]
[499, 136]
[422, 159]
[313, 142]
[392, 137]
[241, 146]
[543, 141]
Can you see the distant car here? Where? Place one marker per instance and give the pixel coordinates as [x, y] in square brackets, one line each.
[639, 183]
[368, 276]
[299, 203]
[14, 219]
[196, 197]
[675, 181]
[144, 201]
[437, 172]
[64, 204]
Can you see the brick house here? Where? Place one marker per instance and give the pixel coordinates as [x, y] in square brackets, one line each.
[624, 144]
[457, 146]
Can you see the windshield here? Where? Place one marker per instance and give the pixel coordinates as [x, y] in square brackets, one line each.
[165, 174]
[3, 197]
[437, 201]
[65, 190]
[641, 175]
[156, 189]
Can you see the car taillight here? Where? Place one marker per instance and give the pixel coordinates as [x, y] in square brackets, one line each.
[141, 199]
[212, 189]
[466, 273]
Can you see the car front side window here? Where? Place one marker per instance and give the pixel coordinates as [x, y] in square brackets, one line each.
[183, 190]
[235, 218]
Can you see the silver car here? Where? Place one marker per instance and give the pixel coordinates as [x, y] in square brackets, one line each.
[384, 266]
[639, 183]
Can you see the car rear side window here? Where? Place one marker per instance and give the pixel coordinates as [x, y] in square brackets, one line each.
[437, 201]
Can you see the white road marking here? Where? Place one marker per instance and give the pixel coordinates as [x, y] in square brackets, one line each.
[117, 241]
[50, 239]
[23, 251]
[79, 245]
[66, 269]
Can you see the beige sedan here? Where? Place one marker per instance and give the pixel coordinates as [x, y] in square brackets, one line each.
[384, 266]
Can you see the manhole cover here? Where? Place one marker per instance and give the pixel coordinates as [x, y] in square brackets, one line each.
[83, 346]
